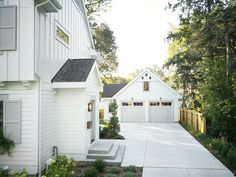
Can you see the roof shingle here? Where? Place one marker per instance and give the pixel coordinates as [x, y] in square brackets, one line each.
[74, 70]
[110, 90]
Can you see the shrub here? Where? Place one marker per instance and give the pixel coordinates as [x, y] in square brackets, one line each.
[111, 175]
[130, 168]
[90, 172]
[61, 167]
[4, 172]
[231, 157]
[129, 174]
[6, 144]
[115, 170]
[99, 165]
[21, 174]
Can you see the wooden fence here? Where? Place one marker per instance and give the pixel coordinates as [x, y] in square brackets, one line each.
[193, 119]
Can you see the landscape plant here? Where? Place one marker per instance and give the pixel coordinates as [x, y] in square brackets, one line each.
[90, 172]
[115, 170]
[99, 165]
[128, 174]
[6, 145]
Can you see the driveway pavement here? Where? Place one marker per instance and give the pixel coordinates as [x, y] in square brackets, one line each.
[167, 150]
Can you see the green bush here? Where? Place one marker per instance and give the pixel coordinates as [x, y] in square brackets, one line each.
[6, 144]
[99, 165]
[231, 157]
[4, 173]
[91, 172]
[111, 175]
[130, 168]
[115, 170]
[21, 174]
[129, 174]
[61, 167]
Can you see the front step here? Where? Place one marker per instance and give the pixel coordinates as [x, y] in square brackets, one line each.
[101, 147]
[111, 155]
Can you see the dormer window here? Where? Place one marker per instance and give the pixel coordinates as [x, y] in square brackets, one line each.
[145, 86]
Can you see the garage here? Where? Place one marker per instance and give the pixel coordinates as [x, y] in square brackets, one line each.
[132, 111]
[161, 112]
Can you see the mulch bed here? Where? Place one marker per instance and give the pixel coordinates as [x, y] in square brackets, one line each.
[81, 167]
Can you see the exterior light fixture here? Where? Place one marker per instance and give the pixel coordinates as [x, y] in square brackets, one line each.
[90, 107]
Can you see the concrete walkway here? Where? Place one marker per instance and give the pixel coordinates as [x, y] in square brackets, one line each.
[167, 150]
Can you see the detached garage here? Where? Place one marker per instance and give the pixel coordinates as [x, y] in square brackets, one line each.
[145, 99]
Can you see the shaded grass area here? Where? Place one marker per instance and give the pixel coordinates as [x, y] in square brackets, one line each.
[219, 147]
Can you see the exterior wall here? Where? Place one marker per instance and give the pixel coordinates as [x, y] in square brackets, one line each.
[70, 120]
[26, 153]
[104, 104]
[19, 65]
[51, 54]
[92, 93]
[157, 90]
[48, 122]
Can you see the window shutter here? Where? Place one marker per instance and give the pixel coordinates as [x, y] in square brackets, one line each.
[12, 121]
[8, 28]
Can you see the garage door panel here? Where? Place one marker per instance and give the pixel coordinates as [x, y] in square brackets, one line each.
[133, 114]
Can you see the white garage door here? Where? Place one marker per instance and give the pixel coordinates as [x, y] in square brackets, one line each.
[161, 112]
[132, 112]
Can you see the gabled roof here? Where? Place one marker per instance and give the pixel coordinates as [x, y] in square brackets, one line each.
[110, 90]
[74, 70]
[147, 70]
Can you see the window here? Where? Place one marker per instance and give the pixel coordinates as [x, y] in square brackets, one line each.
[8, 28]
[110, 107]
[10, 119]
[61, 34]
[154, 103]
[166, 104]
[126, 104]
[138, 103]
[1, 114]
[146, 86]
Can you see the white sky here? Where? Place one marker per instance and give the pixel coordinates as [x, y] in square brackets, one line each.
[140, 28]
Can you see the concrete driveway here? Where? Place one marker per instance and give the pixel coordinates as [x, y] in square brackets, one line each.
[167, 150]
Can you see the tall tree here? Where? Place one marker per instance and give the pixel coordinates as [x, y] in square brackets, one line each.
[105, 41]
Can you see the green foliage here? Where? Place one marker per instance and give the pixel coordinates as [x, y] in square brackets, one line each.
[130, 168]
[99, 165]
[115, 170]
[21, 174]
[91, 172]
[128, 174]
[6, 144]
[203, 52]
[111, 175]
[113, 128]
[7, 173]
[61, 167]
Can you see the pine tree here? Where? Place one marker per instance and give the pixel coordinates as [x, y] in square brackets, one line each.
[114, 126]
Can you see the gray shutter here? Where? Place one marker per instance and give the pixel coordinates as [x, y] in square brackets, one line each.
[12, 120]
[8, 28]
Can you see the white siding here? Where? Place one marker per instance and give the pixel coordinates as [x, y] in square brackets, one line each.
[51, 54]
[70, 118]
[19, 64]
[92, 93]
[48, 121]
[26, 153]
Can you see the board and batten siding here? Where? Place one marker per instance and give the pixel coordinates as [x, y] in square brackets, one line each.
[70, 118]
[48, 121]
[24, 154]
[51, 53]
[92, 93]
[19, 64]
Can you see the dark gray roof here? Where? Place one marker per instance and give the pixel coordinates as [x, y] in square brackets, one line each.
[74, 70]
[110, 90]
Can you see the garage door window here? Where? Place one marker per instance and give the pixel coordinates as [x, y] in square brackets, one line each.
[138, 103]
[126, 104]
[154, 103]
[166, 103]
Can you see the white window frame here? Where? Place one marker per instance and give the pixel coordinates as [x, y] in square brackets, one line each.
[58, 25]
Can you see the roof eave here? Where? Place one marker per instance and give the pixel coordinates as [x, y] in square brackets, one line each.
[63, 85]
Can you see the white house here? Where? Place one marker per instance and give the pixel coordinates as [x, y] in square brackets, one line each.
[145, 99]
[49, 81]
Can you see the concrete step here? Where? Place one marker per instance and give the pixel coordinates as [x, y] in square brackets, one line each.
[101, 147]
[117, 161]
[111, 155]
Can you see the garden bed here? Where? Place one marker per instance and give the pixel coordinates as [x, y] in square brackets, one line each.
[110, 171]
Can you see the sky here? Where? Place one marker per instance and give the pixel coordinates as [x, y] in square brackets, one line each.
[140, 28]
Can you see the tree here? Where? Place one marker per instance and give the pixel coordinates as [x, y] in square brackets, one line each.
[113, 125]
[203, 50]
[104, 39]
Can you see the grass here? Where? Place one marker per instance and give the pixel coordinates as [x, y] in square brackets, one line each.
[219, 147]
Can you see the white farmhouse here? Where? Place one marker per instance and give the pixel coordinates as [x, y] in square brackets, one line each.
[145, 99]
[49, 81]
